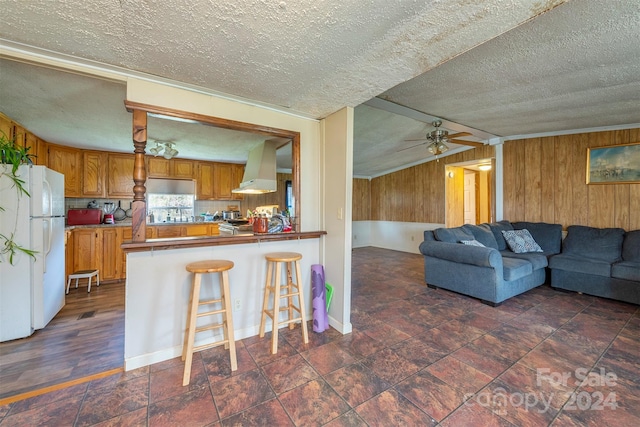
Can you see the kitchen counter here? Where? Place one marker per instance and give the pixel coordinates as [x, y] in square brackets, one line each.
[158, 287]
[199, 241]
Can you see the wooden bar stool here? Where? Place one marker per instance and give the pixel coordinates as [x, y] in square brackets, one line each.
[198, 269]
[291, 289]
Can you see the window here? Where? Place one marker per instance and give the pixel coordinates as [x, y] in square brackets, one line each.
[171, 207]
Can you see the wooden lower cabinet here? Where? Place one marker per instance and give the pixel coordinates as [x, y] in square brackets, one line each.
[111, 257]
[100, 247]
[86, 249]
[96, 248]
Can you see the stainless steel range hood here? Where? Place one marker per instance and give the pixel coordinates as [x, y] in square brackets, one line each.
[260, 171]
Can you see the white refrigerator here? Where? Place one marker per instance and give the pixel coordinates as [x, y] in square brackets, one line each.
[32, 290]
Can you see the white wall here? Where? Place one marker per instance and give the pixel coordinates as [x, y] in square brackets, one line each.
[338, 185]
[398, 236]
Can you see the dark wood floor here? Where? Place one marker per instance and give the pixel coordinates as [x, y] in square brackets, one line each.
[416, 357]
[86, 337]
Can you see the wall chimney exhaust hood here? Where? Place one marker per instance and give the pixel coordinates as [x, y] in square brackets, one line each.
[260, 171]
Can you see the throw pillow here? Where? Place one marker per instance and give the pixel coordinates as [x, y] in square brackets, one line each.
[472, 243]
[520, 241]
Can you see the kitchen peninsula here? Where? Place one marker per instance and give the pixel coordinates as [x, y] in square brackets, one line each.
[158, 287]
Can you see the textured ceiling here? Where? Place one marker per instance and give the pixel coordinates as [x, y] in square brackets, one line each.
[507, 67]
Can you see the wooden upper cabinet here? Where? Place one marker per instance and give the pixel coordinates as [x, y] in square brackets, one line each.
[67, 161]
[236, 179]
[120, 175]
[204, 181]
[158, 167]
[94, 173]
[42, 152]
[222, 180]
[6, 127]
[19, 136]
[182, 169]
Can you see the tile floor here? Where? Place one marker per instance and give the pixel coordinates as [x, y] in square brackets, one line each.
[416, 357]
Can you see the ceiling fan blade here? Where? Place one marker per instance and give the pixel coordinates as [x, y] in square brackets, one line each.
[413, 146]
[459, 134]
[419, 139]
[470, 143]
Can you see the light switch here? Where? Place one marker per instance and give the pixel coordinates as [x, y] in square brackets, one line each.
[339, 213]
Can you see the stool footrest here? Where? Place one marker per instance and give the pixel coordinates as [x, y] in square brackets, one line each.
[211, 313]
[206, 346]
[209, 301]
[209, 327]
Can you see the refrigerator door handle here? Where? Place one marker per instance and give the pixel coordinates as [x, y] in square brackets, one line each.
[48, 235]
[47, 193]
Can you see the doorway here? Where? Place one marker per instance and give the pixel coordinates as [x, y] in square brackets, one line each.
[469, 192]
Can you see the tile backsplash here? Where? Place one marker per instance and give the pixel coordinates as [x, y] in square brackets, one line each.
[201, 206]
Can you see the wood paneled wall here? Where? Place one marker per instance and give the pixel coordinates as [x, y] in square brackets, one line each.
[415, 194]
[361, 205]
[545, 180]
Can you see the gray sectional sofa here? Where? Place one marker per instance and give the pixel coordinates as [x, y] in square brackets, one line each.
[594, 261]
[599, 261]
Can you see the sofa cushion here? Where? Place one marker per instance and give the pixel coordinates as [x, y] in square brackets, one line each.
[579, 264]
[482, 233]
[452, 235]
[631, 246]
[521, 241]
[514, 269]
[603, 244]
[496, 229]
[548, 236]
[472, 243]
[628, 270]
[537, 260]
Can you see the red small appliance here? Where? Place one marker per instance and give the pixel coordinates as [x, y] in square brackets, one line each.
[84, 216]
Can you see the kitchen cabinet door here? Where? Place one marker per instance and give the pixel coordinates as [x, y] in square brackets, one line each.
[222, 179]
[67, 161]
[204, 181]
[6, 127]
[19, 135]
[168, 231]
[214, 230]
[86, 249]
[42, 152]
[94, 170]
[120, 175]
[236, 179]
[158, 167]
[182, 169]
[111, 259]
[193, 230]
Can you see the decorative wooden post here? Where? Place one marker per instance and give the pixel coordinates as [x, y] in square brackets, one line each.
[139, 206]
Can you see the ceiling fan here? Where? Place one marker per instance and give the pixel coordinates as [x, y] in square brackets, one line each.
[437, 139]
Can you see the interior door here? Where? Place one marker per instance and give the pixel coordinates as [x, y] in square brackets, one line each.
[470, 197]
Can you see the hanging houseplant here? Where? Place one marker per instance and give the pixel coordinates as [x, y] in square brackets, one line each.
[11, 157]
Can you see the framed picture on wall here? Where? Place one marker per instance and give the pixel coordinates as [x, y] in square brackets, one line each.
[615, 164]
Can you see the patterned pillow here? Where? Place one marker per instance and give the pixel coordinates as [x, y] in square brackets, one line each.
[472, 243]
[520, 241]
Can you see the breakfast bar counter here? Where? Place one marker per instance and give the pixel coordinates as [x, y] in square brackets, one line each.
[158, 286]
[189, 242]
